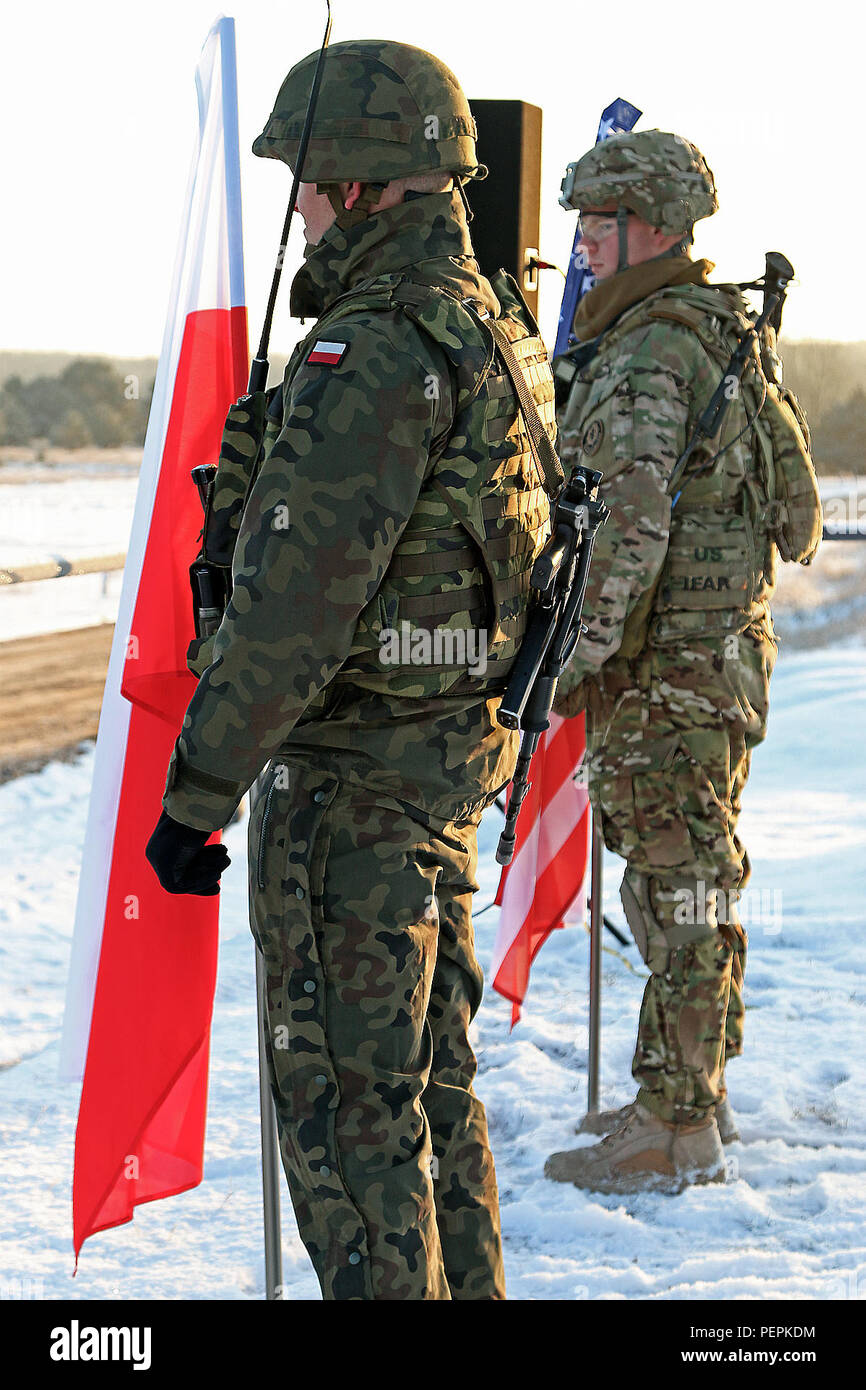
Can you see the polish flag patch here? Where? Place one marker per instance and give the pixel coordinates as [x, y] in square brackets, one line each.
[328, 353]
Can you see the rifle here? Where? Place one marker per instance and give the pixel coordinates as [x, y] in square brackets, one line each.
[559, 577]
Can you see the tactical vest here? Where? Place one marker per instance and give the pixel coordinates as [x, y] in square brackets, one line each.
[451, 610]
[744, 495]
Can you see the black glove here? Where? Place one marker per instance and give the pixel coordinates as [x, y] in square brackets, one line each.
[182, 864]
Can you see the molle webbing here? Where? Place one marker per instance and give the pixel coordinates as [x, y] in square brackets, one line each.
[464, 560]
[545, 454]
[716, 568]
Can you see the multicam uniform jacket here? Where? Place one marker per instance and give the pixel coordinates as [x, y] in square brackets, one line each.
[677, 607]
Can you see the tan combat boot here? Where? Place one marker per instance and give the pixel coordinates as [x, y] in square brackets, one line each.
[645, 1155]
[606, 1121]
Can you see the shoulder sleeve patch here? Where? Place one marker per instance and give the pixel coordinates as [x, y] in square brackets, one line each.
[327, 353]
[592, 437]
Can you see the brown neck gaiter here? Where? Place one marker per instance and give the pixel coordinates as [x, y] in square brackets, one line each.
[608, 299]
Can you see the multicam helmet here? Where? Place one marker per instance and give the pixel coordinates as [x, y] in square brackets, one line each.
[384, 111]
[660, 176]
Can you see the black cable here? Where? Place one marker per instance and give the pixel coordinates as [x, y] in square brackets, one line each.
[262, 353]
[708, 463]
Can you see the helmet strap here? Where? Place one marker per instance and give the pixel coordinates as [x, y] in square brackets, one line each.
[679, 248]
[470, 215]
[622, 233]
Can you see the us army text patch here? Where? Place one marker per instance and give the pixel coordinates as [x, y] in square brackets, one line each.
[328, 353]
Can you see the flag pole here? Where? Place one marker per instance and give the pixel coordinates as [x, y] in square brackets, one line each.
[258, 382]
[270, 1151]
[595, 927]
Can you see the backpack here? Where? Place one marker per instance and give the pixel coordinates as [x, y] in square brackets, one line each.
[794, 515]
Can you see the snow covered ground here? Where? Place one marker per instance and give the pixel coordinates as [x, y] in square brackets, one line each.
[790, 1223]
[87, 513]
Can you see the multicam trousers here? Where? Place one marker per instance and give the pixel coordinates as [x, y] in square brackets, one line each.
[363, 916]
[668, 794]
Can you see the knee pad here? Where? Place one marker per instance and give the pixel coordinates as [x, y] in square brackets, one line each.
[655, 940]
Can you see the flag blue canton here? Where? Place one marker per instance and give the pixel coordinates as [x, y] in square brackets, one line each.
[615, 119]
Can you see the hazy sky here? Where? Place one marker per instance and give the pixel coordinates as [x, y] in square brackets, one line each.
[98, 117]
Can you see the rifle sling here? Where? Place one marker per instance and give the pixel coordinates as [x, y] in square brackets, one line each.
[545, 455]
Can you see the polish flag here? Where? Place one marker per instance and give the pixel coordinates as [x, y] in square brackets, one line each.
[143, 967]
[545, 884]
[330, 353]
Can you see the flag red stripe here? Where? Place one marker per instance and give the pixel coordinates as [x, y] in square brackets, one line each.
[141, 1119]
[211, 373]
[562, 755]
[332, 358]
[152, 1006]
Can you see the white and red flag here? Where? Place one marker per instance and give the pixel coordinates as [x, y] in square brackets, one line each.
[143, 968]
[545, 883]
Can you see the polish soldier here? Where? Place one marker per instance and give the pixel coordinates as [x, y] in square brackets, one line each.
[380, 591]
[674, 669]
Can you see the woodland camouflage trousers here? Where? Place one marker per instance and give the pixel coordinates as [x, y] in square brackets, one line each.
[362, 913]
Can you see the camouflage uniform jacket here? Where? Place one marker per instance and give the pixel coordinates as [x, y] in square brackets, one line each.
[348, 458]
[669, 587]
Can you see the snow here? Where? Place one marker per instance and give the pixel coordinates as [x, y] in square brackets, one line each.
[75, 516]
[789, 1223]
[71, 517]
[81, 600]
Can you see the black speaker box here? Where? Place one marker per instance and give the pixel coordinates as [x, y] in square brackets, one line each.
[507, 203]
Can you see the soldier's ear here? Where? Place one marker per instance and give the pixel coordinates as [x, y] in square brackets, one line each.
[351, 192]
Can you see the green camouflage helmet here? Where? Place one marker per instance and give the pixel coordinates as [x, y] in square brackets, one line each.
[662, 177]
[385, 111]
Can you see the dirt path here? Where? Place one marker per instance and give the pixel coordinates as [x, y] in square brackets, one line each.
[50, 695]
